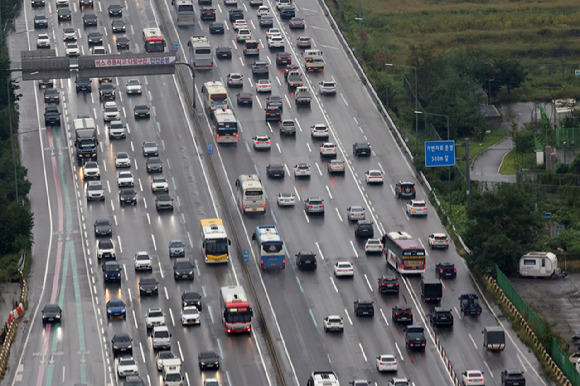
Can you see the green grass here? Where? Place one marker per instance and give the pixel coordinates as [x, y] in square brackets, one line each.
[509, 166]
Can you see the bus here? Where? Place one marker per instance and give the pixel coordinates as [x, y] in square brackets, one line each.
[215, 241]
[270, 247]
[215, 96]
[250, 194]
[184, 13]
[237, 313]
[404, 254]
[226, 126]
[154, 41]
[200, 53]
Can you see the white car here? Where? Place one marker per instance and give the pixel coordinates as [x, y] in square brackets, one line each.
[273, 32]
[69, 33]
[62, 3]
[211, 382]
[343, 268]
[127, 366]
[43, 41]
[399, 382]
[190, 315]
[319, 130]
[373, 246]
[154, 317]
[133, 86]
[143, 261]
[438, 240]
[327, 87]
[106, 249]
[262, 142]
[302, 170]
[239, 24]
[230, 2]
[286, 199]
[387, 362]
[472, 377]
[333, 323]
[122, 160]
[328, 149]
[276, 42]
[125, 179]
[159, 184]
[243, 35]
[263, 10]
[416, 208]
[165, 357]
[374, 177]
[91, 170]
[111, 112]
[264, 85]
[72, 49]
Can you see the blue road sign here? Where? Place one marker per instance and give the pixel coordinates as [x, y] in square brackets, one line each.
[175, 46]
[439, 153]
[246, 255]
[210, 149]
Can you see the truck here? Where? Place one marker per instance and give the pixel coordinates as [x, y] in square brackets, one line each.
[86, 141]
[469, 304]
[313, 60]
[302, 96]
[493, 338]
[431, 290]
[294, 79]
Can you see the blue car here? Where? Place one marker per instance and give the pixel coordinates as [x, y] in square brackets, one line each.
[116, 309]
[176, 248]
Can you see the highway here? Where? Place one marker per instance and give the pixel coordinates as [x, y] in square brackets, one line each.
[295, 302]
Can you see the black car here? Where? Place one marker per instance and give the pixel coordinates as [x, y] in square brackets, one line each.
[364, 229]
[89, 20]
[112, 271]
[446, 270]
[141, 112]
[164, 202]
[83, 84]
[236, 14]
[273, 114]
[122, 43]
[182, 269]
[191, 298]
[40, 21]
[115, 10]
[154, 165]
[287, 13]
[51, 95]
[45, 83]
[283, 58]
[275, 171]
[208, 360]
[38, 4]
[361, 149]
[415, 338]
[275, 101]
[441, 317]
[306, 260]
[122, 344]
[118, 26]
[223, 52]
[204, 2]
[217, 27]
[364, 308]
[207, 14]
[103, 228]
[266, 21]
[404, 189]
[148, 286]
[106, 92]
[51, 115]
[86, 3]
[51, 313]
[127, 196]
[244, 99]
[388, 284]
[297, 23]
[402, 314]
[512, 377]
[260, 68]
[95, 38]
[64, 14]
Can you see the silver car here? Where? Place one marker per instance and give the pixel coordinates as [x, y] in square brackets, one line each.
[95, 191]
[302, 170]
[286, 199]
[355, 213]
[314, 205]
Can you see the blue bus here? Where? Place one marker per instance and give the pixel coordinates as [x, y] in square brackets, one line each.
[270, 247]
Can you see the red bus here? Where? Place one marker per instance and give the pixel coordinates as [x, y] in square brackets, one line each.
[236, 311]
[154, 41]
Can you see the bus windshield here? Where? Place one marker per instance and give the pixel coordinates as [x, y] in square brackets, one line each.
[272, 248]
[185, 8]
[238, 315]
[155, 46]
[216, 246]
[253, 193]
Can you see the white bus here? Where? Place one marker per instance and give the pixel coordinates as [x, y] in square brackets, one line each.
[184, 13]
[225, 126]
[200, 53]
[251, 196]
[215, 96]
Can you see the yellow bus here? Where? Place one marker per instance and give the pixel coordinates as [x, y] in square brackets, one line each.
[215, 242]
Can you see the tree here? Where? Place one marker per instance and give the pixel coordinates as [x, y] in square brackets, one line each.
[509, 74]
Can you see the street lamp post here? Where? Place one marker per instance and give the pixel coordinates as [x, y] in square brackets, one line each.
[416, 102]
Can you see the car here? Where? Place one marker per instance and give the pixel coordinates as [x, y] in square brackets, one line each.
[306, 260]
[288, 127]
[303, 42]
[273, 114]
[355, 213]
[91, 170]
[446, 270]
[133, 87]
[415, 338]
[216, 27]
[42, 41]
[223, 53]
[204, 2]
[388, 284]
[276, 42]
[142, 261]
[405, 189]
[314, 205]
[263, 10]
[266, 21]
[190, 315]
[416, 208]
[160, 337]
[106, 249]
[230, 2]
[38, 4]
[373, 246]
[319, 130]
[333, 323]
[127, 366]
[115, 10]
[159, 184]
[438, 240]
[154, 165]
[106, 92]
[176, 248]
[85, 3]
[441, 316]
[148, 286]
[102, 227]
[83, 84]
[302, 170]
[235, 80]
[513, 377]
[72, 50]
[343, 268]
[118, 26]
[261, 142]
[122, 43]
[208, 360]
[150, 149]
[51, 313]
[290, 67]
[364, 229]
[51, 95]
[402, 313]
[112, 271]
[244, 99]
[399, 382]
[122, 344]
[386, 362]
[287, 13]
[256, 3]
[472, 378]
[127, 196]
[69, 34]
[327, 87]
[275, 171]
[62, 3]
[240, 24]
[207, 13]
[364, 308]
[117, 130]
[40, 21]
[297, 23]
[286, 199]
[141, 112]
[374, 177]
[275, 101]
[125, 179]
[283, 58]
[214, 381]
[191, 298]
[361, 149]
[164, 356]
[260, 68]
[243, 35]
[89, 20]
[264, 85]
[320, 378]
[328, 149]
[111, 112]
[95, 191]
[51, 115]
[154, 317]
[164, 202]
[116, 309]
[64, 14]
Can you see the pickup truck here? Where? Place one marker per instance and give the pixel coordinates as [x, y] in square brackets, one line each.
[294, 79]
[302, 96]
[470, 304]
[313, 60]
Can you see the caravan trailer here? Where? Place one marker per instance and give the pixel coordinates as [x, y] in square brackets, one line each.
[538, 264]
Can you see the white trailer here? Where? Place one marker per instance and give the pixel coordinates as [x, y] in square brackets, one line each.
[539, 264]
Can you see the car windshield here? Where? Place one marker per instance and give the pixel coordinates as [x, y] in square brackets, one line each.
[52, 308]
[176, 244]
[416, 335]
[155, 314]
[162, 334]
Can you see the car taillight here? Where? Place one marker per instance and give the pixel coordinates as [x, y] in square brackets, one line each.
[396, 285]
[441, 270]
[454, 270]
[410, 314]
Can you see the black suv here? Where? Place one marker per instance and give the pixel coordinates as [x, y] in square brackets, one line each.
[191, 299]
[415, 338]
[51, 115]
[364, 308]
[361, 149]
[275, 171]
[364, 228]
[51, 95]
[148, 286]
[446, 270]
[90, 19]
[122, 344]
[107, 92]
[405, 190]
[83, 84]
[273, 114]
[441, 317]
[127, 196]
[112, 271]
[388, 284]
[306, 260]
[287, 12]
[236, 14]
[402, 314]
[512, 377]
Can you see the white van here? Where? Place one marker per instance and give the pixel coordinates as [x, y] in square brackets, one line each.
[172, 375]
[539, 264]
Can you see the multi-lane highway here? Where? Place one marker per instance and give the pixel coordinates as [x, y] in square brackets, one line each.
[294, 302]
